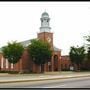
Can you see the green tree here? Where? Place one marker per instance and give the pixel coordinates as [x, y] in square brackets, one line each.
[88, 53]
[40, 52]
[87, 38]
[13, 51]
[77, 55]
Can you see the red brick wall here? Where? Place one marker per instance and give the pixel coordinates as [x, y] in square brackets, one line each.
[57, 66]
[24, 64]
[45, 35]
[65, 63]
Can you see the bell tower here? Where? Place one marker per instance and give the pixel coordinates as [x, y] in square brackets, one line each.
[45, 33]
[45, 23]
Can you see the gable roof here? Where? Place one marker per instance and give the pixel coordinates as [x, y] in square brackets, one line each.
[25, 43]
[56, 49]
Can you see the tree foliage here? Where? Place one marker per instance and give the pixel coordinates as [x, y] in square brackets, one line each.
[39, 51]
[77, 54]
[88, 53]
[13, 51]
[87, 38]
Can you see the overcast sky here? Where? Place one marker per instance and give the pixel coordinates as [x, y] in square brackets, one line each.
[69, 21]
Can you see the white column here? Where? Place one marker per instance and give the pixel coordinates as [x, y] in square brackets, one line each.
[6, 63]
[11, 65]
[2, 60]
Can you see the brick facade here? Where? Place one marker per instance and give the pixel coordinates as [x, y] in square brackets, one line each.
[25, 64]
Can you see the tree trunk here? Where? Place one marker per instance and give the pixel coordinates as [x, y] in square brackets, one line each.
[42, 68]
[13, 66]
[78, 67]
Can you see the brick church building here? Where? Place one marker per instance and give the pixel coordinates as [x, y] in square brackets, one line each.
[26, 64]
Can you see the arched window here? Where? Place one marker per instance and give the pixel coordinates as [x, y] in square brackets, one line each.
[55, 62]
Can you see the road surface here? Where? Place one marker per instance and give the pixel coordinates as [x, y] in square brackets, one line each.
[82, 82]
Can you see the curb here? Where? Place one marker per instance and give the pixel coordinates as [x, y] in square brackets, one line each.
[15, 81]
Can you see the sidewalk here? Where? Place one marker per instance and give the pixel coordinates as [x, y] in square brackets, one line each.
[10, 78]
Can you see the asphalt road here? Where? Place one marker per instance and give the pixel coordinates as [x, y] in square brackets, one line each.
[83, 82]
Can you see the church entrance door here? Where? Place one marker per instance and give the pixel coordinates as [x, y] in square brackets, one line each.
[55, 63]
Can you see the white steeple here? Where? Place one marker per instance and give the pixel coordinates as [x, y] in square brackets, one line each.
[45, 22]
